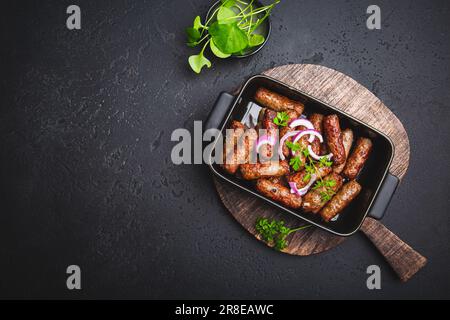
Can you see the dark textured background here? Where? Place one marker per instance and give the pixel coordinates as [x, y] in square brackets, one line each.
[85, 170]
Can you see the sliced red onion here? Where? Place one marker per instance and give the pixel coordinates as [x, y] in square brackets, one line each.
[304, 190]
[282, 140]
[304, 123]
[313, 133]
[266, 139]
[317, 157]
[301, 122]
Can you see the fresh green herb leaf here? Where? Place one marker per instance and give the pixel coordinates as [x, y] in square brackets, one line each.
[296, 163]
[324, 162]
[305, 152]
[275, 232]
[326, 192]
[228, 3]
[307, 177]
[330, 183]
[255, 40]
[326, 196]
[197, 62]
[310, 168]
[228, 37]
[197, 23]
[193, 35]
[281, 119]
[293, 146]
[226, 15]
[217, 52]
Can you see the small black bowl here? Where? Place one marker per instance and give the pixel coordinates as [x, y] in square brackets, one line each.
[264, 28]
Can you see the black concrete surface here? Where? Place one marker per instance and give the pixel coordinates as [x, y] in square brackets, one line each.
[85, 170]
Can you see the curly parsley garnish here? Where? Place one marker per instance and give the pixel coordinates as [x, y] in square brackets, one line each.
[325, 162]
[275, 232]
[327, 185]
[296, 163]
[281, 119]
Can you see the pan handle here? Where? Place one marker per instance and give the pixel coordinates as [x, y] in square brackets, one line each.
[384, 196]
[219, 111]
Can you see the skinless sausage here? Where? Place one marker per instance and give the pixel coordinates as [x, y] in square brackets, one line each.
[279, 193]
[264, 170]
[245, 149]
[230, 161]
[267, 119]
[358, 157]
[277, 102]
[239, 150]
[333, 135]
[347, 140]
[271, 129]
[313, 201]
[303, 142]
[317, 121]
[340, 200]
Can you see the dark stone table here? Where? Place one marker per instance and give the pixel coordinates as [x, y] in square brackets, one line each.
[85, 171]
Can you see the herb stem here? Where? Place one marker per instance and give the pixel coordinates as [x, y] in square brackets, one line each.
[300, 228]
[204, 47]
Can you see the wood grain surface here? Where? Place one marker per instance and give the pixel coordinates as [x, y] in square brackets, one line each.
[348, 95]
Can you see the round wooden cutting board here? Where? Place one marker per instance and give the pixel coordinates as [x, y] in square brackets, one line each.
[346, 94]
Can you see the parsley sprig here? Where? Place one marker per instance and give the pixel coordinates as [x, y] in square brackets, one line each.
[275, 232]
[311, 167]
[281, 119]
[327, 185]
[296, 163]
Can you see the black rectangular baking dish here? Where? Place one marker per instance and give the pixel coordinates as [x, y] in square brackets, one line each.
[378, 185]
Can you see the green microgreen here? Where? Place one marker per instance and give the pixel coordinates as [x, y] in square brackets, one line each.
[229, 30]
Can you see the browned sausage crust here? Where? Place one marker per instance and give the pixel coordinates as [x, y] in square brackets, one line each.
[333, 135]
[230, 157]
[264, 170]
[277, 102]
[267, 119]
[317, 121]
[313, 200]
[299, 177]
[279, 193]
[340, 200]
[358, 157]
[347, 140]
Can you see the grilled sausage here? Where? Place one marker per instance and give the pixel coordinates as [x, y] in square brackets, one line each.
[340, 200]
[317, 121]
[245, 149]
[358, 157]
[279, 193]
[347, 140]
[267, 119]
[313, 201]
[299, 177]
[230, 158]
[303, 143]
[334, 138]
[264, 170]
[268, 127]
[277, 102]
